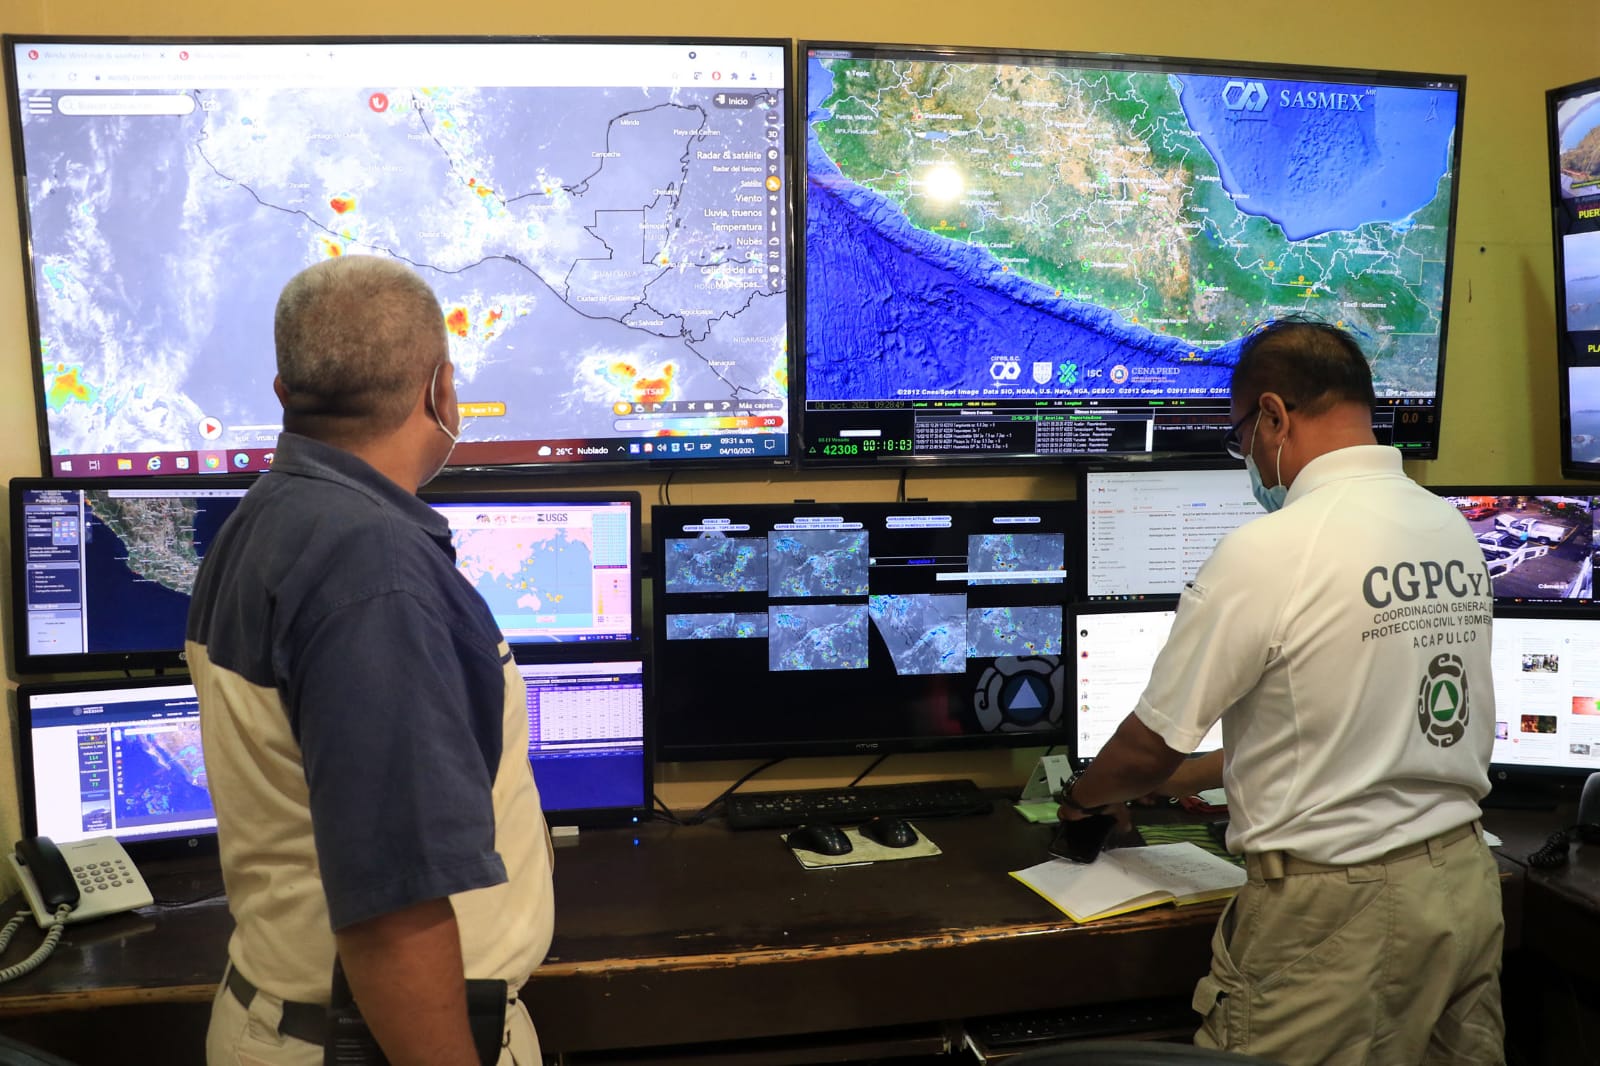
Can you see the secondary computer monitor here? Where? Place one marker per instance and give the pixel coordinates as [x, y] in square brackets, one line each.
[102, 570]
[1547, 701]
[831, 628]
[1147, 528]
[1012, 255]
[1573, 121]
[1114, 651]
[1538, 543]
[120, 758]
[605, 222]
[587, 744]
[556, 569]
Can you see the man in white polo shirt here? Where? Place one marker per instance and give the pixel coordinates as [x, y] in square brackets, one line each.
[1343, 641]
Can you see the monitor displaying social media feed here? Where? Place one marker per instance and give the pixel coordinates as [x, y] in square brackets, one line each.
[555, 568]
[1147, 529]
[587, 742]
[1546, 693]
[1015, 255]
[1538, 543]
[605, 222]
[102, 569]
[831, 628]
[120, 758]
[1115, 650]
[1573, 120]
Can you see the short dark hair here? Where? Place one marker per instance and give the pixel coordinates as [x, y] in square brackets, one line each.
[1312, 364]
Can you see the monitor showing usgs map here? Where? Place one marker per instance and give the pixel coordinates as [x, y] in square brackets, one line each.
[1043, 255]
[604, 221]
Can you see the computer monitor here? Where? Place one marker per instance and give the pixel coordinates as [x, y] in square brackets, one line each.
[1538, 543]
[1115, 649]
[587, 741]
[604, 220]
[833, 628]
[1546, 687]
[556, 569]
[1147, 528]
[102, 569]
[117, 757]
[1573, 121]
[1029, 255]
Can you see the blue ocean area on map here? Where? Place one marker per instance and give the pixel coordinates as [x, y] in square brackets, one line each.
[557, 574]
[127, 612]
[1337, 157]
[154, 786]
[890, 305]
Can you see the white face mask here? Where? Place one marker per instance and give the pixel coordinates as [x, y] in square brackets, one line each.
[1270, 499]
[433, 398]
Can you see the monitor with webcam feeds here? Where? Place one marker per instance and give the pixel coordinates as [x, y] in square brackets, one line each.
[1547, 701]
[605, 222]
[1027, 255]
[587, 741]
[1573, 121]
[831, 628]
[555, 568]
[116, 757]
[102, 569]
[1115, 649]
[1538, 543]
[1148, 527]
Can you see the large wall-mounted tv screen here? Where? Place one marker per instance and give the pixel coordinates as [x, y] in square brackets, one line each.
[1037, 255]
[1574, 125]
[605, 223]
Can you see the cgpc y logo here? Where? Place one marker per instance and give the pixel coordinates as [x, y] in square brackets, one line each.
[1442, 701]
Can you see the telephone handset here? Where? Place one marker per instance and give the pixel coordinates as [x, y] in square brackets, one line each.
[94, 877]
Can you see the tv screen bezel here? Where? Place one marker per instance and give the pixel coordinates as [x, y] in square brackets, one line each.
[533, 466]
[25, 662]
[1169, 64]
[768, 748]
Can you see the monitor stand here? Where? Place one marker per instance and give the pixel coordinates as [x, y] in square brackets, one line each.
[1521, 796]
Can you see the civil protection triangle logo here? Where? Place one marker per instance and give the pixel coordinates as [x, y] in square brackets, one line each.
[1442, 701]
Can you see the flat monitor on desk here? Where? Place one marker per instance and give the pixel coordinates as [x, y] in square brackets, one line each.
[586, 741]
[838, 628]
[1547, 705]
[102, 570]
[117, 757]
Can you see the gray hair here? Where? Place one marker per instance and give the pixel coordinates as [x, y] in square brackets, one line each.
[356, 336]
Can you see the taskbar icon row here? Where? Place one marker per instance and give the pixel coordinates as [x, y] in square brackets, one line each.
[140, 464]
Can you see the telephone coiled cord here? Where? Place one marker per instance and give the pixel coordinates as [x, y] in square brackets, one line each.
[1554, 851]
[52, 937]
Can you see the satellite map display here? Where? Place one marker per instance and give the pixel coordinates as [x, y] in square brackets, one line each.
[817, 562]
[926, 634]
[997, 631]
[718, 626]
[603, 248]
[817, 637]
[160, 775]
[716, 564]
[980, 227]
[1013, 553]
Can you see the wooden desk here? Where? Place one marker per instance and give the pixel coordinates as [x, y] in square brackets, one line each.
[691, 936]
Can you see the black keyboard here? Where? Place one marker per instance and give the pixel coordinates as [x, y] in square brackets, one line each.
[1147, 1018]
[915, 799]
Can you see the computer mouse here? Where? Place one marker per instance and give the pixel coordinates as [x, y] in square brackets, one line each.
[890, 832]
[821, 838]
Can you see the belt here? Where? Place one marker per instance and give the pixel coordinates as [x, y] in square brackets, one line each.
[1275, 865]
[303, 1021]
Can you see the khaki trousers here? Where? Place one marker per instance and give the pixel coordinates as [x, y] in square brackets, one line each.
[1390, 963]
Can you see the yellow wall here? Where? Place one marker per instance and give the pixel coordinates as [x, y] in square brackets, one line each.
[1500, 417]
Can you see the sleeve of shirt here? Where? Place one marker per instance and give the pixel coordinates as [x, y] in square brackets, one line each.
[1221, 641]
[397, 756]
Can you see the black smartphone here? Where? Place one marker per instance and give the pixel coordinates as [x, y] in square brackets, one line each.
[1082, 840]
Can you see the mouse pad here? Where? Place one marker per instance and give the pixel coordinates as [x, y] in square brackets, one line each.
[863, 851]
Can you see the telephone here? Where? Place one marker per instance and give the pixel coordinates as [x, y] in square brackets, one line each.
[94, 877]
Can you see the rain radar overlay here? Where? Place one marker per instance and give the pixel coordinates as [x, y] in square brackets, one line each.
[604, 226]
[983, 229]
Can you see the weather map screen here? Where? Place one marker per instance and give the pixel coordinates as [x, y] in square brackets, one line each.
[1574, 124]
[604, 222]
[102, 571]
[787, 629]
[1042, 255]
[114, 757]
[554, 569]
[1538, 544]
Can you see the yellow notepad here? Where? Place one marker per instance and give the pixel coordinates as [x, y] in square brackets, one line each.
[1131, 879]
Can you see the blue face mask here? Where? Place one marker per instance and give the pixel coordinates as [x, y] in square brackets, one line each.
[1270, 499]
